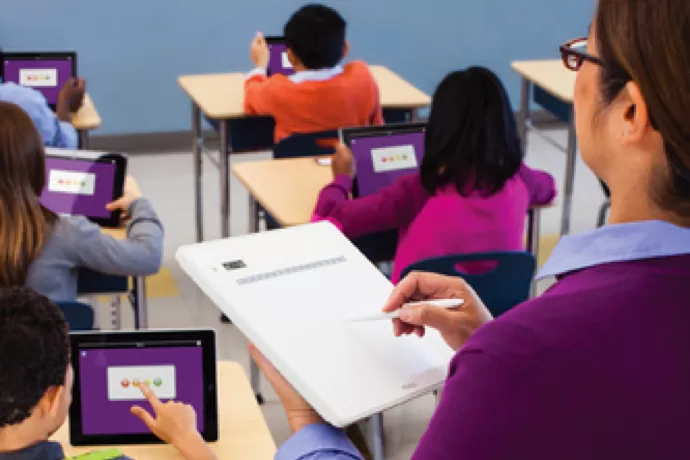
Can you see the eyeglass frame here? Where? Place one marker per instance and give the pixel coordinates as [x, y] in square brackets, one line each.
[567, 52]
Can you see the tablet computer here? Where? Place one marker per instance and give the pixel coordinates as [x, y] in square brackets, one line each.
[278, 61]
[46, 72]
[383, 154]
[109, 367]
[82, 183]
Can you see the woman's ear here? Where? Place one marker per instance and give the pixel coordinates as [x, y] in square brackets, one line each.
[636, 122]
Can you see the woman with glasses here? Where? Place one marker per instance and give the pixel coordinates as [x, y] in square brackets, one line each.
[598, 367]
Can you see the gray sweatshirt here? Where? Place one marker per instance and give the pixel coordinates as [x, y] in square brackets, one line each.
[77, 242]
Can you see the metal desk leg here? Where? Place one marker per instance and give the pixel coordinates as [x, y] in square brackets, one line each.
[141, 313]
[198, 161]
[115, 317]
[571, 156]
[83, 139]
[414, 116]
[533, 233]
[376, 436]
[524, 116]
[224, 180]
[254, 373]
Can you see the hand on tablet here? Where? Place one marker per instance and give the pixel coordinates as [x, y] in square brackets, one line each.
[455, 325]
[258, 51]
[174, 423]
[343, 162]
[130, 194]
[299, 412]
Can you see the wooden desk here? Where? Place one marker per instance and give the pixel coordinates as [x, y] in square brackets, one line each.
[221, 97]
[138, 293]
[85, 120]
[243, 430]
[559, 82]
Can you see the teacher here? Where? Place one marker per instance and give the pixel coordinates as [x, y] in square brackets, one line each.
[598, 367]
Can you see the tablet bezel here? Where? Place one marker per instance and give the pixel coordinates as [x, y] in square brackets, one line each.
[118, 184]
[38, 56]
[208, 341]
[393, 129]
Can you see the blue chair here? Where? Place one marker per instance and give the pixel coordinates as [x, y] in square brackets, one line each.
[79, 316]
[501, 288]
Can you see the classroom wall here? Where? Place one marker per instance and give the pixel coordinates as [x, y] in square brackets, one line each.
[132, 51]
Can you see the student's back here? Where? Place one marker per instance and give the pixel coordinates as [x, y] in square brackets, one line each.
[322, 95]
[473, 191]
[43, 250]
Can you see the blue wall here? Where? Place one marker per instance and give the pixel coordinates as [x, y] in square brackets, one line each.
[132, 51]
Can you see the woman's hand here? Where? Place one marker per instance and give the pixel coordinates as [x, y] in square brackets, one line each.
[343, 162]
[130, 194]
[455, 325]
[299, 412]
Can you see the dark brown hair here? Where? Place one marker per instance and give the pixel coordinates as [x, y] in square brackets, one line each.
[24, 223]
[648, 42]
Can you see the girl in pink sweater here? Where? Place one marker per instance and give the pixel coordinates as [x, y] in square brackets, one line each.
[472, 192]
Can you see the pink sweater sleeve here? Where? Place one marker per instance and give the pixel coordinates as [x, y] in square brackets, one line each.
[393, 207]
[540, 185]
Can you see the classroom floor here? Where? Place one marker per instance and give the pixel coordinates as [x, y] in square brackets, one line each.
[174, 301]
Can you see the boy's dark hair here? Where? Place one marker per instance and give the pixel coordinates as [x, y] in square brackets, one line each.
[471, 138]
[316, 36]
[34, 351]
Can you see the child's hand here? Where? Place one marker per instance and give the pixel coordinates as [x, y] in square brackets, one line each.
[130, 194]
[258, 51]
[343, 162]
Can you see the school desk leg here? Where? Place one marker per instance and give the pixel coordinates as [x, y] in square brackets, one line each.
[571, 156]
[224, 179]
[198, 171]
[255, 380]
[414, 116]
[524, 116]
[115, 313]
[376, 436]
[140, 303]
[83, 139]
[253, 215]
[533, 232]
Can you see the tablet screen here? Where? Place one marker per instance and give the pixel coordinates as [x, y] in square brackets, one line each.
[47, 76]
[110, 376]
[79, 187]
[278, 61]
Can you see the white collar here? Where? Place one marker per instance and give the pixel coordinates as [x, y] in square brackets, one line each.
[316, 75]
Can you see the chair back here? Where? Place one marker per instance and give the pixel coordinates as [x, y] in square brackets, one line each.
[79, 316]
[501, 288]
[306, 145]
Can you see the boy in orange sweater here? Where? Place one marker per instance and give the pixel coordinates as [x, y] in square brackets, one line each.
[322, 95]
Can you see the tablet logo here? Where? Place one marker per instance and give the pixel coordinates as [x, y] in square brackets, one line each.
[124, 382]
[286, 60]
[38, 78]
[71, 182]
[395, 158]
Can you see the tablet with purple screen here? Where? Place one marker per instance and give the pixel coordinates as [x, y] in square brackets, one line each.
[278, 61]
[384, 154]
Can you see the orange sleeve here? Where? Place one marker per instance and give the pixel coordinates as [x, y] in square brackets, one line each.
[259, 93]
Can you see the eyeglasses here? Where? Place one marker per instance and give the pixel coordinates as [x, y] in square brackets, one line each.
[574, 54]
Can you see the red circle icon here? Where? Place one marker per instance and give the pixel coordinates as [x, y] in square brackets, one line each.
[124, 383]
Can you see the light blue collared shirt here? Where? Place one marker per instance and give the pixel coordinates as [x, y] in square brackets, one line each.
[55, 133]
[617, 243]
[613, 243]
[305, 75]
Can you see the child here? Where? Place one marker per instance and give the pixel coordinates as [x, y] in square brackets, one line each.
[55, 128]
[472, 192]
[321, 95]
[36, 385]
[43, 250]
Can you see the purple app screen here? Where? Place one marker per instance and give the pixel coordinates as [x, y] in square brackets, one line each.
[110, 379]
[278, 61]
[78, 187]
[46, 76]
[381, 160]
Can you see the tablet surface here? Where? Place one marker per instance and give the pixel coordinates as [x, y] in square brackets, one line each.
[278, 61]
[82, 183]
[177, 365]
[383, 154]
[292, 293]
[46, 72]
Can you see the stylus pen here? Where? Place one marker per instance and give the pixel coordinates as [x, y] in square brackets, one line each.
[442, 303]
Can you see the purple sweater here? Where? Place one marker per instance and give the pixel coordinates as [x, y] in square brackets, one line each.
[440, 225]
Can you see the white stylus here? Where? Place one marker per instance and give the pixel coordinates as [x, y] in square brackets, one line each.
[442, 303]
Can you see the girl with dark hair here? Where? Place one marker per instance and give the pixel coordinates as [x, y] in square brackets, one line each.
[472, 192]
